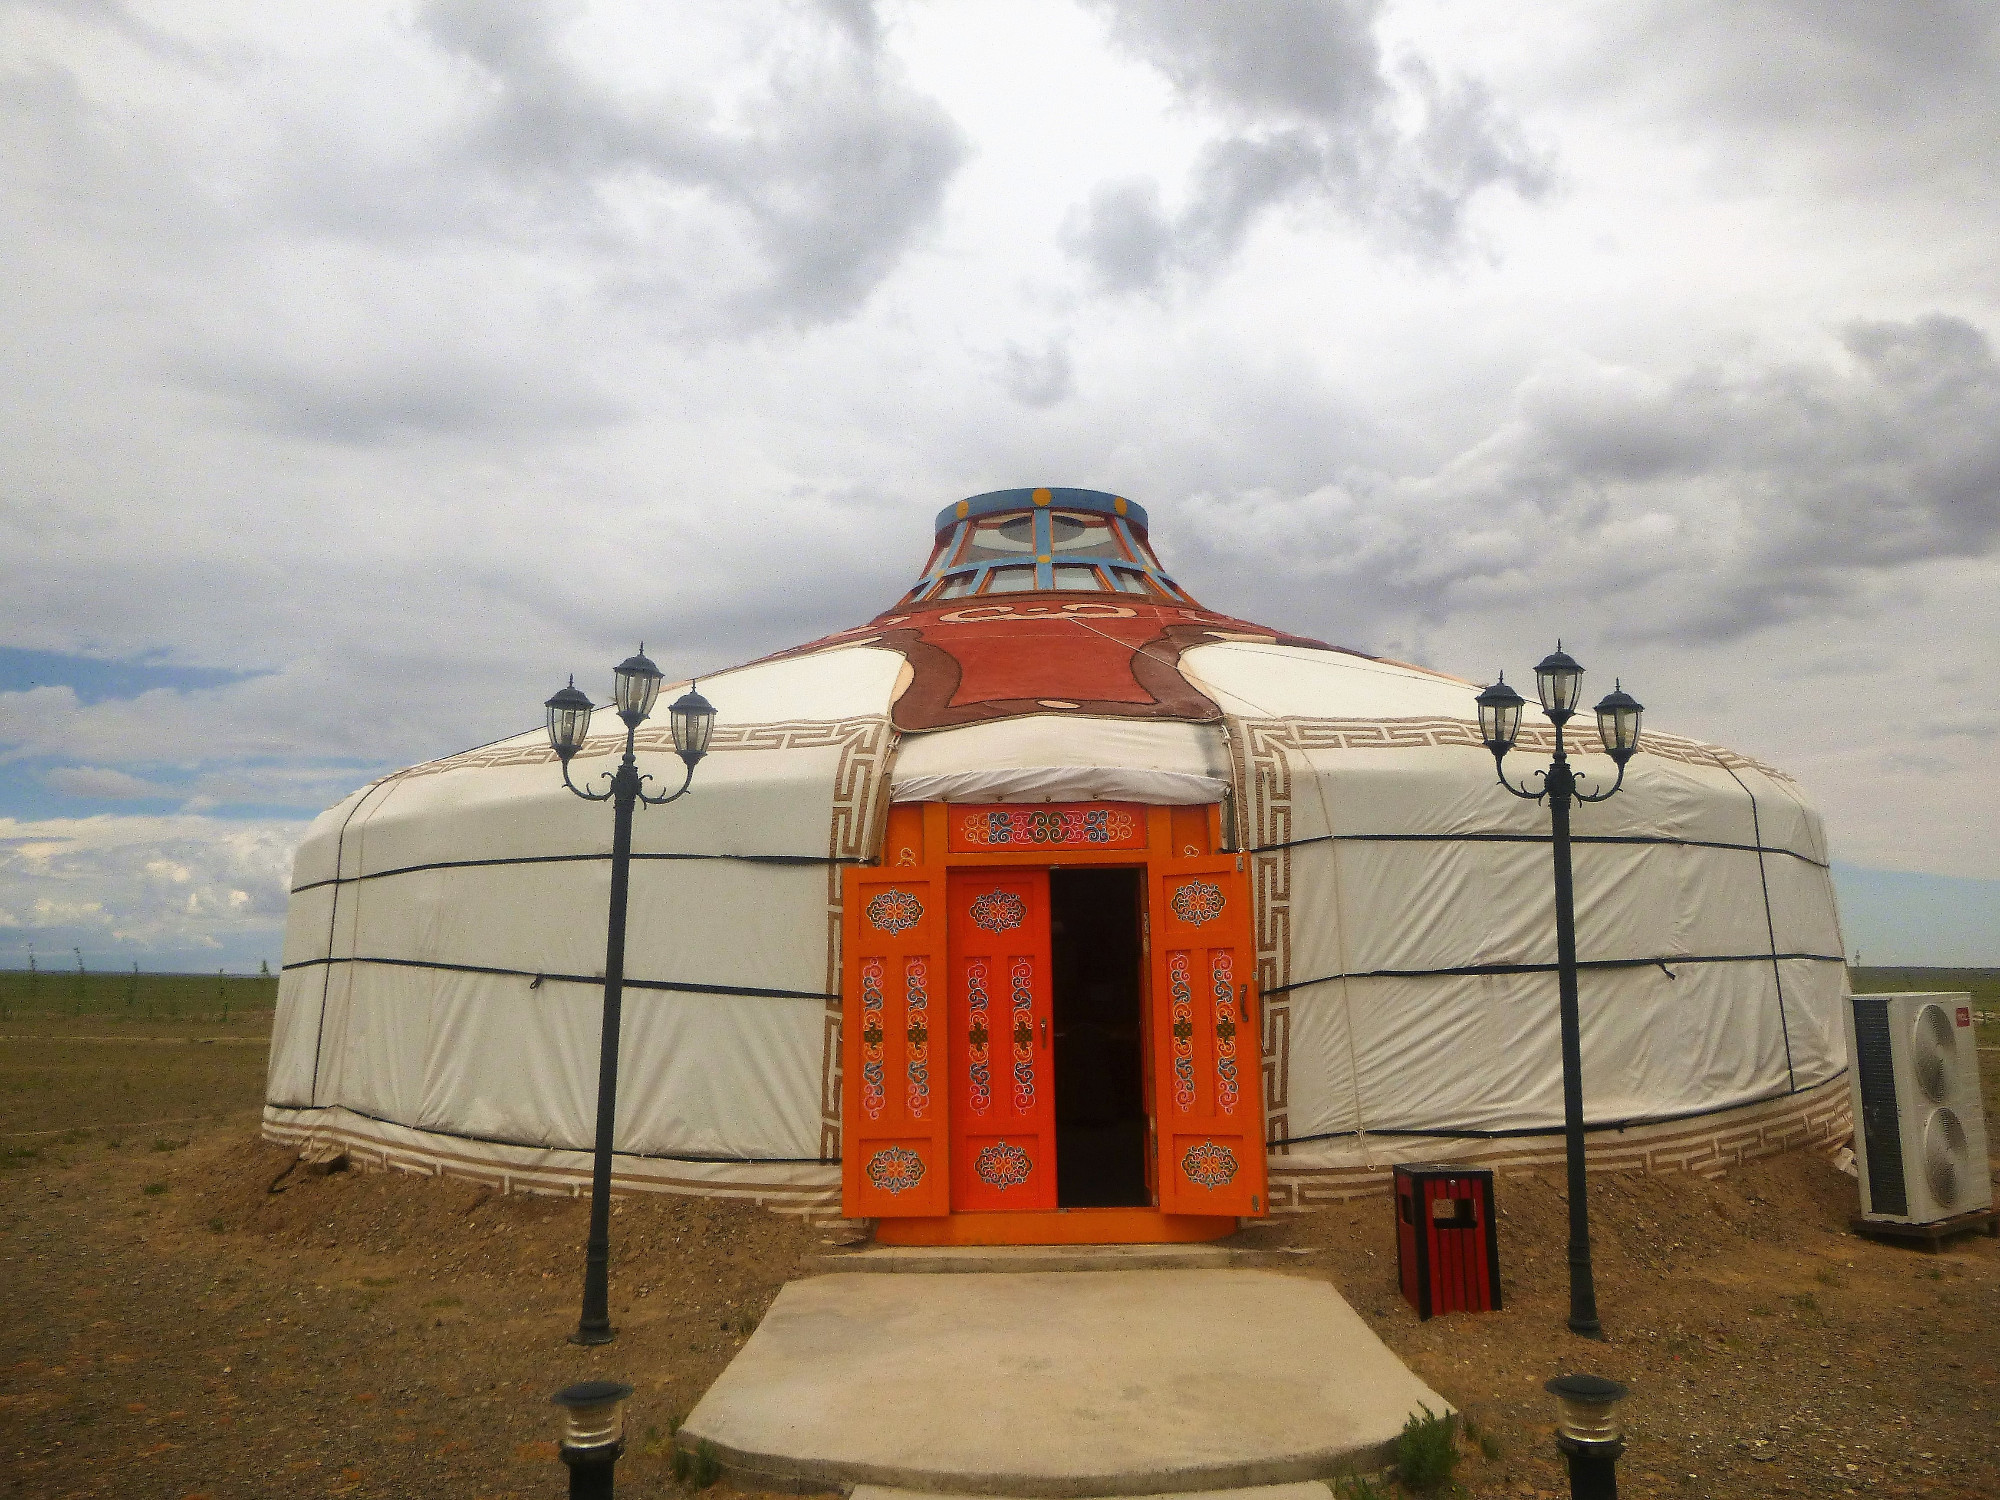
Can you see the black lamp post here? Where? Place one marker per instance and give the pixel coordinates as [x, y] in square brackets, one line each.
[1559, 682]
[1587, 1433]
[635, 684]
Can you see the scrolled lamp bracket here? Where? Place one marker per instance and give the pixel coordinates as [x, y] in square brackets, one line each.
[1499, 723]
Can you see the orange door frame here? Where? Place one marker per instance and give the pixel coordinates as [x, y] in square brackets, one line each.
[918, 838]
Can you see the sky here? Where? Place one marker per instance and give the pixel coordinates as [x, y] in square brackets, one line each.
[371, 367]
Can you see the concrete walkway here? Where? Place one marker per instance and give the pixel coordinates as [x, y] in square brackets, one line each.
[980, 1259]
[1048, 1384]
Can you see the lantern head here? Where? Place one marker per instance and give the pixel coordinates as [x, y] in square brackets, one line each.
[635, 683]
[693, 720]
[569, 721]
[1500, 716]
[1618, 723]
[1559, 681]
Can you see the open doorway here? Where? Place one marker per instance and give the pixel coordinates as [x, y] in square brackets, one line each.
[1095, 957]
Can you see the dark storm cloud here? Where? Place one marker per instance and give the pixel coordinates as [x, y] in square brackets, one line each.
[1315, 115]
[439, 247]
[1868, 92]
[1711, 506]
[1037, 377]
[834, 168]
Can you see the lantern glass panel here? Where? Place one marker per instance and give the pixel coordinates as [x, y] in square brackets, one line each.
[1618, 722]
[1499, 715]
[635, 684]
[692, 718]
[1559, 684]
[569, 721]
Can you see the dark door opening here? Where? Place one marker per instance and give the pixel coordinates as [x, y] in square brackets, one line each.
[1095, 959]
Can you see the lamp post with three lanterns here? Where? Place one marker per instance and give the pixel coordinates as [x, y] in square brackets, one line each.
[1559, 683]
[635, 684]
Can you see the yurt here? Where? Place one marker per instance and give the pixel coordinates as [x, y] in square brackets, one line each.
[1050, 905]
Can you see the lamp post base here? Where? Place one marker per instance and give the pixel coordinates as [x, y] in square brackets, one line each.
[1593, 1467]
[591, 1336]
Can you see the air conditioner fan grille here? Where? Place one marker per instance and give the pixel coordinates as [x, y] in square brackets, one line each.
[1932, 1050]
[1944, 1156]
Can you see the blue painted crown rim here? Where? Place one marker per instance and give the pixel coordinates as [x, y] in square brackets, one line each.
[994, 502]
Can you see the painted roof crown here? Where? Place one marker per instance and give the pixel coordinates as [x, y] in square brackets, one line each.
[1045, 540]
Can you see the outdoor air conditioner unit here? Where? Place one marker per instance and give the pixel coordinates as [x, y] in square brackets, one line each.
[1919, 1122]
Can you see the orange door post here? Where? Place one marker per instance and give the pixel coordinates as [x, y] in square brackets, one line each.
[1207, 1062]
[1003, 1081]
[895, 1158]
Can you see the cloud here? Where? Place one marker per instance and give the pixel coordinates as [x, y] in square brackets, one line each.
[365, 228]
[828, 170]
[1862, 95]
[1315, 115]
[1712, 505]
[145, 886]
[1037, 378]
[100, 782]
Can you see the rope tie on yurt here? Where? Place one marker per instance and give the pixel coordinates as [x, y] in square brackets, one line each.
[1460, 970]
[333, 913]
[1535, 838]
[333, 928]
[1770, 925]
[1339, 905]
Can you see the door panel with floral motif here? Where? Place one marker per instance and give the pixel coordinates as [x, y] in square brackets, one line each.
[1003, 1148]
[1207, 1064]
[895, 1148]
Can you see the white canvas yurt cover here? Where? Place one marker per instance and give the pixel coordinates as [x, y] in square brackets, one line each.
[441, 990]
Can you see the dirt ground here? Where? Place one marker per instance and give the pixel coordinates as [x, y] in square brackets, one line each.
[1768, 1350]
[176, 1327]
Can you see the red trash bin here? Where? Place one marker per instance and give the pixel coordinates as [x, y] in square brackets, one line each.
[1447, 1253]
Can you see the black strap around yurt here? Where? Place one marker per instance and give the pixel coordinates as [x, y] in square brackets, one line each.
[1531, 838]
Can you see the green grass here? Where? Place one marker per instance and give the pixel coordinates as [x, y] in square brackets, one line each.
[1983, 984]
[139, 996]
[61, 1076]
[1426, 1453]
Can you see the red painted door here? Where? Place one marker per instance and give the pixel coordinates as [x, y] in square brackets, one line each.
[1003, 1119]
[1207, 1063]
[894, 1157]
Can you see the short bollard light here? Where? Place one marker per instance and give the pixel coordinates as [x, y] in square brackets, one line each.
[594, 1435]
[1587, 1433]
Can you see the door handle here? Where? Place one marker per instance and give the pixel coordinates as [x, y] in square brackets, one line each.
[1243, 1002]
[1045, 1033]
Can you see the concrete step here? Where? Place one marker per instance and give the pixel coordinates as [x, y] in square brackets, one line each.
[944, 1259]
[1040, 1385]
[1312, 1489]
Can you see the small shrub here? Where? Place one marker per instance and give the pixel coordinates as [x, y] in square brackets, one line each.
[154, 1189]
[1761, 1310]
[1359, 1487]
[1487, 1444]
[1425, 1452]
[163, 1144]
[706, 1468]
[215, 1225]
[1805, 1302]
[18, 1156]
[698, 1467]
[1826, 1276]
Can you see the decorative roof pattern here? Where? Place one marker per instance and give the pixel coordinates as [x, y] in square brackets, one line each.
[1048, 540]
